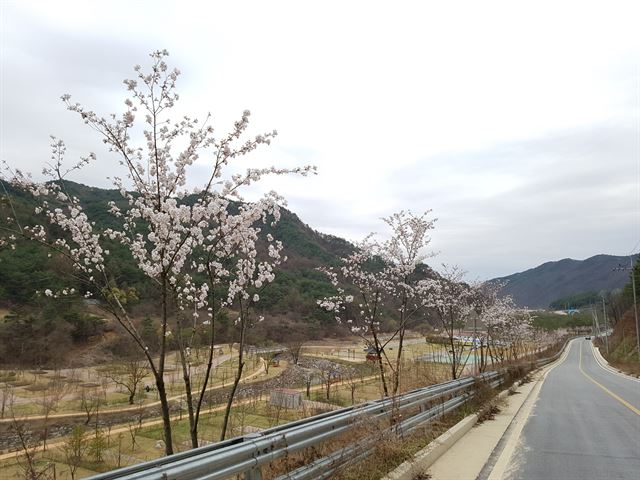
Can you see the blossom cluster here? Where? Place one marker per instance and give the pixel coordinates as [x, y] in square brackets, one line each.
[383, 273]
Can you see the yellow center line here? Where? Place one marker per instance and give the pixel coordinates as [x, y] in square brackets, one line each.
[618, 398]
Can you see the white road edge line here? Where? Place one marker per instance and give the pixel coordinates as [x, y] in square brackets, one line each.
[602, 362]
[521, 419]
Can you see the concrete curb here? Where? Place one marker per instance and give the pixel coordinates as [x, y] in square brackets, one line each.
[428, 455]
[438, 447]
[607, 366]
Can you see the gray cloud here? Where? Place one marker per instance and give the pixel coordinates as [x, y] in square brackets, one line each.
[526, 149]
[572, 193]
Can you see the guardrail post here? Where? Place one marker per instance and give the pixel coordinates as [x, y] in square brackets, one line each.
[253, 474]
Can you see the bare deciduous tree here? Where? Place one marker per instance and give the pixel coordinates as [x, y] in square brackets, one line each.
[74, 449]
[134, 425]
[295, 342]
[268, 359]
[48, 403]
[129, 375]
[353, 380]
[89, 402]
[8, 396]
[29, 467]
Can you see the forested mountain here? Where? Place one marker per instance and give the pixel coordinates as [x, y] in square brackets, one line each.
[564, 280]
[289, 303]
[290, 299]
[27, 269]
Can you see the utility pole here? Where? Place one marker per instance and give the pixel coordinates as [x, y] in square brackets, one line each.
[606, 327]
[635, 303]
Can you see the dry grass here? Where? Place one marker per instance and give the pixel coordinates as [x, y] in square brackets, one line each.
[391, 451]
[623, 351]
[489, 411]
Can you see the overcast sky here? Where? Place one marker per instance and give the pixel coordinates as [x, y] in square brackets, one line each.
[519, 125]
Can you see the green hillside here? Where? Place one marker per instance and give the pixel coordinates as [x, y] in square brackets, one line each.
[566, 281]
[291, 298]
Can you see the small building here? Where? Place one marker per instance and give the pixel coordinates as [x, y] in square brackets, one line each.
[286, 397]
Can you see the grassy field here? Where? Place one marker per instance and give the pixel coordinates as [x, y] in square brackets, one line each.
[410, 351]
[120, 449]
[414, 350]
[130, 444]
[31, 391]
[553, 321]
[247, 416]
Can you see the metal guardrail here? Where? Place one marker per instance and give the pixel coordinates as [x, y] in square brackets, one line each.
[246, 455]
[544, 361]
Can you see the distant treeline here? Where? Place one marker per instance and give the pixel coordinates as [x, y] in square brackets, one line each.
[554, 321]
[575, 301]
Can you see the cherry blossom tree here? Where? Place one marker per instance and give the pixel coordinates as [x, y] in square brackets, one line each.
[509, 329]
[520, 333]
[405, 252]
[164, 225]
[384, 276]
[452, 301]
[487, 301]
[365, 273]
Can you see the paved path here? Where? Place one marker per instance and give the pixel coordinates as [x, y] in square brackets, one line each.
[584, 425]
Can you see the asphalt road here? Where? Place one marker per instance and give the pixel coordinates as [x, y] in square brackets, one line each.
[584, 425]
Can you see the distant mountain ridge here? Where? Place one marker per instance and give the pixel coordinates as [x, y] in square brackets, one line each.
[297, 287]
[539, 286]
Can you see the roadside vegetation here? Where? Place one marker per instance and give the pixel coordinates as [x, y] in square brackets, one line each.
[621, 349]
[154, 318]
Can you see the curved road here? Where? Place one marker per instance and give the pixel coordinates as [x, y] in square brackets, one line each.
[585, 424]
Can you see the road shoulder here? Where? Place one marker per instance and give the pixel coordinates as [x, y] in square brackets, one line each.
[467, 457]
[485, 451]
[600, 360]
